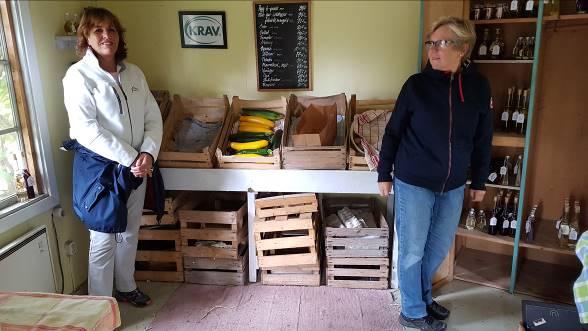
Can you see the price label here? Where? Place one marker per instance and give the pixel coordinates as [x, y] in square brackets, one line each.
[493, 221]
[557, 224]
[505, 116]
[521, 118]
[503, 170]
[483, 51]
[505, 224]
[513, 224]
[528, 227]
[492, 177]
[564, 229]
[496, 50]
[573, 235]
[530, 5]
[514, 5]
[515, 116]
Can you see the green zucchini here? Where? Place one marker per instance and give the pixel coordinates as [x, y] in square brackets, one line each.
[265, 113]
[277, 139]
[262, 151]
[238, 137]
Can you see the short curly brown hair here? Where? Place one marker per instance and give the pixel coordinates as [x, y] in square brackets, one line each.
[91, 17]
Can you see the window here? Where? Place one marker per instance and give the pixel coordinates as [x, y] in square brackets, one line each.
[24, 135]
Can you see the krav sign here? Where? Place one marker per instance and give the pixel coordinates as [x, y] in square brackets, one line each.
[203, 29]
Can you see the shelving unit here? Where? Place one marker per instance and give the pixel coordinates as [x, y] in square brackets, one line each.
[501, 139]
[504, 61]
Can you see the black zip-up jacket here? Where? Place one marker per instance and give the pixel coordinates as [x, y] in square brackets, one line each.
[441, 125]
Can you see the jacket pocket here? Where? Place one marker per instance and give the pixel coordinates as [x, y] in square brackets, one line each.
[92, 196]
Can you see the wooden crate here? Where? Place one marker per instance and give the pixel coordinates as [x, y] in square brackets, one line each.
[158, 255]
[356, 159]
[163, 100]
[286, 204]
[301, 275]
[315, 157]
[211, 271]
[213, 218]
[149, 218]
[369, 273]
[231, 126]
[360, 242]
[210, 110]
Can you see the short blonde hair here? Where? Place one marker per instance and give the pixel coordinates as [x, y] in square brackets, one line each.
[464, 30]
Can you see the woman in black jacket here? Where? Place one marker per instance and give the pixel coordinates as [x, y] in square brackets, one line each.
[441, 125]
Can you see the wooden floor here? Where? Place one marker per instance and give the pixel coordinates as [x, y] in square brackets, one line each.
[257, 307]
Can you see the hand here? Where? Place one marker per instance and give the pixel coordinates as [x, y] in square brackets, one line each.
[385, 188]
[477, 195]
[143, 165]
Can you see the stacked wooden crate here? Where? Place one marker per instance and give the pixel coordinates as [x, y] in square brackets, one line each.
[285, 239]
[158, 252]
[357, 257]
[214, 238]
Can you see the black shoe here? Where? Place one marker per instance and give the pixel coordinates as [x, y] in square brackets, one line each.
[437, 311]
[427, 323]
[136, 298]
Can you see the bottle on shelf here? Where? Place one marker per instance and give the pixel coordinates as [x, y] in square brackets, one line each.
[564, 226]
[554, 7]
[581, 6]
[482, 222]
[506, 214]
[489, 11]
[517, 170]
[471, 220]
[574, 226]
[476, 12]
[513, 216]
[499, 11]
[517, 111]
[517, 47]
[483, 47]
[514, 9]
[23, 182]
[522, 117]
[530, 225]
[493, 223]
[547, 7]
[514, 112]
[530, 9]
[523, 47]
[497, 46]
[506, 113]
[504, 171]
[531, 48]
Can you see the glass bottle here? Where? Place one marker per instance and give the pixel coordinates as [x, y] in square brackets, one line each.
[506, 113]
[530, 9]
[506, 214]
[564, 226]
[69, 25]
[20, 181]
[517, 170]
[513, 216]
[513, 112]
[515, 50]
[531, 48]
[504, 171]
[574, 226]
[497, 46]
[530, 225]
[515, 8]
[489, 11]
[521, 51]
[517, 111]
[493, 224]
[482, 222]
[581, 6]
[554, 8]
[471, 220]
[476, 12]
[483, 47]
[521, 121]
[499, 11]
[547, 7]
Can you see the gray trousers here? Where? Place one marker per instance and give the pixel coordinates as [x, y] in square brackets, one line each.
[112, 256]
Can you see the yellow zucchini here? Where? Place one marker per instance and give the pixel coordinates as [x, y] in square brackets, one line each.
[250, 145]
[257, 120]
[248, 155]
[250, 127]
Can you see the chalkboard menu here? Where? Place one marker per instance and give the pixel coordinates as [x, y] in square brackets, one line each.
[283, 45]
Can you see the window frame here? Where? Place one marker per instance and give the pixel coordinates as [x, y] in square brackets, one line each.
[32, 114]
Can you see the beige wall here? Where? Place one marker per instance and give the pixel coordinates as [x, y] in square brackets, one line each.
[363, 47]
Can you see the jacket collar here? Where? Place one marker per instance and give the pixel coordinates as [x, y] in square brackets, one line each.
[466, 69]
[91, 59]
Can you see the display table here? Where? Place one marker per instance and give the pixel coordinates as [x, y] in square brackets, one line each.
[253, 181]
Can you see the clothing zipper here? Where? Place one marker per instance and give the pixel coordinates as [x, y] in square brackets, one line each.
[117, 98]
[450, 127]
[128, 109]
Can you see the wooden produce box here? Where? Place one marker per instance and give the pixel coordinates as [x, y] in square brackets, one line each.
[158, 255]
[287, 236]
[356, 257]
[207, 110]
[213, 218]
[163, 100]
[301, 275]
[356, 159]
[149, 218]
[212, 271]
[315, 157]
[232, 125]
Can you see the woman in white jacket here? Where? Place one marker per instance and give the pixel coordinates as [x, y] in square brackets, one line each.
[112, 113]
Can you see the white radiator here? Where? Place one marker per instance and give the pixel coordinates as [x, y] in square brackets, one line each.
[25, 264]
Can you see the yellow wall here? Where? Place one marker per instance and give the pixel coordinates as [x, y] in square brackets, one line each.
[363, 47]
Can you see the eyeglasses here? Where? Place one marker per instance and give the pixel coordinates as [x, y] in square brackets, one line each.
[439, 43]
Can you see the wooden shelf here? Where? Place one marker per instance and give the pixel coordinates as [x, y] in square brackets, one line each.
[546, 280]
[504, 61]
[573, 17]
[483, 268]
[504, 187]
[504, 240]
[546, 239]
[508, 140]
[518, 20]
